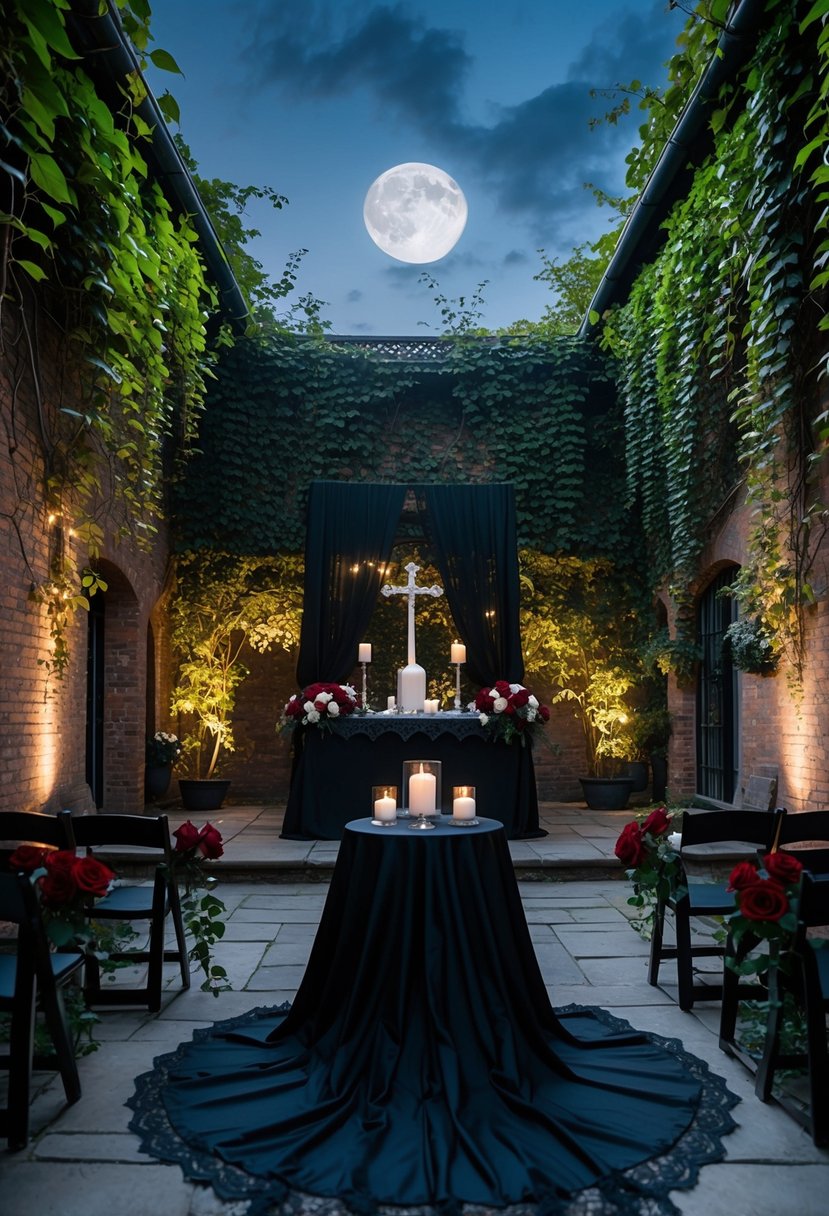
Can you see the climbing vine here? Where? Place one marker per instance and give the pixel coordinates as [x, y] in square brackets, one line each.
[91, 247]
[716, 344]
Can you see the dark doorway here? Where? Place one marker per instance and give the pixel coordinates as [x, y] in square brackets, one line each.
[717, 704]
[95, 699]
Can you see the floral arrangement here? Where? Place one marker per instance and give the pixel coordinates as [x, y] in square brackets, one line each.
[766, 895]
[163, 748]
[202, 911]
[647, 848]
[320, 705]
[509, 711]
[67, 885]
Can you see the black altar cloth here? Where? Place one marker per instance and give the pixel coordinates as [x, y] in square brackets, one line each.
[422, 1064]
[333, 773]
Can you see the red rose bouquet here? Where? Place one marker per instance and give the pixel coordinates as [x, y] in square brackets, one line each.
[320, 705]
[765, 894]
[67, 886]
[201, 908]
[509, 711]
[647, 849]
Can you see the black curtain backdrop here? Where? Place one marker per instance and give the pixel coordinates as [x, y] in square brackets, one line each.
[351, 529]
[472, 531]
[350, 535]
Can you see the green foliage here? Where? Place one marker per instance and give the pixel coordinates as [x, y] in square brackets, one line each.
[716, 348]
[285, 411]
[223, 605]
[90, 238]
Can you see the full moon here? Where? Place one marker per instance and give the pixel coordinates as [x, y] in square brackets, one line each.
[415, 212]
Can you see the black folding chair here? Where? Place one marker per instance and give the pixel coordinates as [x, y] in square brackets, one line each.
[809, 984]
[32, 975]
[146, 837]
[29, 827]
[742, 832]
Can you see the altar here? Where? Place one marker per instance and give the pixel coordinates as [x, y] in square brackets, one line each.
[334, 772]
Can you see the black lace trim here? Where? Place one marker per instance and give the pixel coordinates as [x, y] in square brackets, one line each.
[642, 1190]
[463, 725]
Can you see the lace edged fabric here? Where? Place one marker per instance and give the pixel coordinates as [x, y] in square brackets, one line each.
[641, 1190]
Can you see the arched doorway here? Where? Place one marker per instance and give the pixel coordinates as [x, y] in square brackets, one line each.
[717, 708]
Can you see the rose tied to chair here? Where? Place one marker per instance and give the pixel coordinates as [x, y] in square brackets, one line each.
[765, 895]
[202, 912]
[647, 852]
[67, 885]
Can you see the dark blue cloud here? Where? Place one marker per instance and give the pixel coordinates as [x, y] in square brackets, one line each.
[354, 296]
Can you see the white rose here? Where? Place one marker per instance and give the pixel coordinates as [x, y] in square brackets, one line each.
[515, 687]
[352, 692]
[313, 715]
[333, 709]
[324, 697]
[309, 706]
[531, 714]
[482, 718]
[532, 701]
[500, 705]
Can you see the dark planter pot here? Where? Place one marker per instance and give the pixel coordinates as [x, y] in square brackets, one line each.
[659, 769]
[202, 795]
[637, 770]
[606, 793]
[157, 780]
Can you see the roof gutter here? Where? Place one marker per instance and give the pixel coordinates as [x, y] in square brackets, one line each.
[688, 142]
[108, 55]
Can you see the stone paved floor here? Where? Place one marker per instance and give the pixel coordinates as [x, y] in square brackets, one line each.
[83, 1161]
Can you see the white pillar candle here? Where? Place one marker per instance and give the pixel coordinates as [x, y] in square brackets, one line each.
[364, 654]
[391, 703]
[385, 809]
[430, 707]
[458, 652]
[412, 691]
[463, 806]
[422, 793]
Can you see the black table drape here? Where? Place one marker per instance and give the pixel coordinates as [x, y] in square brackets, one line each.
[422, 1064]
[333, 774]
[350, 535]
[472, 531]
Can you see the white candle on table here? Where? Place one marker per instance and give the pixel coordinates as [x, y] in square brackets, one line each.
[385, 809]
[391, 703]
[412, 688]
[463, 806]
[430, 707]
[458, 652]
[422, 793]
[364, 653]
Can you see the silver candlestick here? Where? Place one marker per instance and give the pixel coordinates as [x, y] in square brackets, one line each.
[365, 685]
[457, 686]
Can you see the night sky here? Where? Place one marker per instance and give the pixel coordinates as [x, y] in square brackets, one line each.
[316, 98]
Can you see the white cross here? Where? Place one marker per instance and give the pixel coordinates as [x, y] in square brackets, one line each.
[411, 590]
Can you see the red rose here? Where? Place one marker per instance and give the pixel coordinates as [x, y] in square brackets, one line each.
[294, 708]
[210, 842]
[58, 887]
[484, 701]
[187, 837]
[544, 713]
[27, 857]
[510, 709]
[743, 875]
[784, 867]
[658, 822]
[766, 900]
[92, 876]
[501, 688]
[63, 861]
[629, 847]
[520, 698]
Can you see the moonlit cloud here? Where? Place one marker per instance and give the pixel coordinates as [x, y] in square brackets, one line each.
[533, 157]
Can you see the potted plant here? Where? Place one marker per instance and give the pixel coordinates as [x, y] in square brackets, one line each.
[603, 714]
[649, 730]
[162, 751]
[223, 605]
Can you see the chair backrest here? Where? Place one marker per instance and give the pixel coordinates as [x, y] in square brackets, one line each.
[710, 827]
[798, 827]
[30, 827]
[813, 910]
[121, 831]
[19, 906]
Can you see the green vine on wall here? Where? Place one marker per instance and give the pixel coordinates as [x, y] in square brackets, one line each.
[91, 241]
[716, 343]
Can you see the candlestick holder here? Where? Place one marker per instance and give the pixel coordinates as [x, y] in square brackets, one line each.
[365, 685]
[457, 686]
[421, 793]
